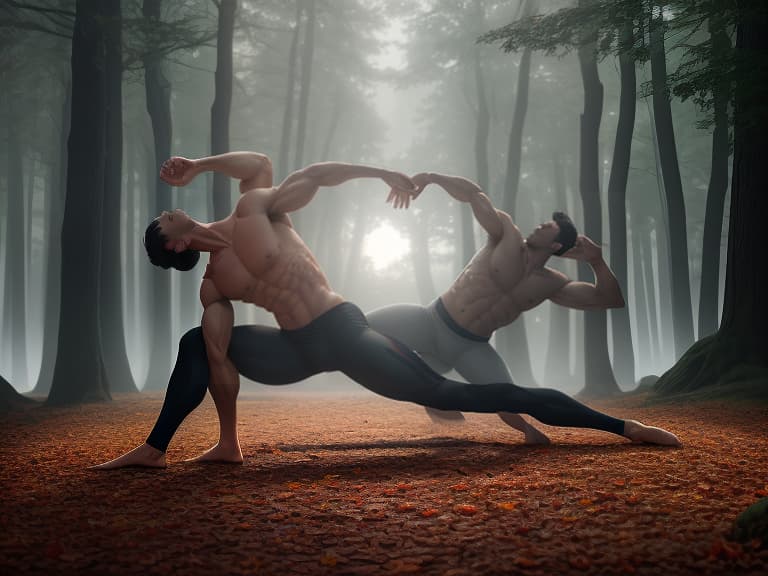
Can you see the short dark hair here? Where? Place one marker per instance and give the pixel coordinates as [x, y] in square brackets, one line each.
[568, 233]
[159, 255]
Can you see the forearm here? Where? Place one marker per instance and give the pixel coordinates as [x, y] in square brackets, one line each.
[325, 174]
[465, 190]
[300, 187]
[460, 188]
[606, 284]
[240, 165]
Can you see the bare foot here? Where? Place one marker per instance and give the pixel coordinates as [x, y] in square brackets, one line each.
[144, 456]
[444, 416]
[638, 432]
[229, 455]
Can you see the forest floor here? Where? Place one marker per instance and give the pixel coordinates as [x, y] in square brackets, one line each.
[353, 484]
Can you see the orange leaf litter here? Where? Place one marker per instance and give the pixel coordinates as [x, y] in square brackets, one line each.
[358, 484]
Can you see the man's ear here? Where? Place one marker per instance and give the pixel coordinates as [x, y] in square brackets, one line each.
[556, 246]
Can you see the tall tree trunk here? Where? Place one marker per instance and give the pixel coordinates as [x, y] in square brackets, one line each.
[14, 296]
[623, 352]
[650, 292]
[512, 340]
[736, 353]
[644, 354]
[682, 316]
[300, 221]
[482, 129]
[111, 312]
[307, 58]
[290, 96]
[222, 104]
[599, 378]
[557, 367]
[78, 374]
[718, 186]
[55, 215]
[158, 94]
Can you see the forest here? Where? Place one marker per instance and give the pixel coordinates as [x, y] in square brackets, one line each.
[644, 120]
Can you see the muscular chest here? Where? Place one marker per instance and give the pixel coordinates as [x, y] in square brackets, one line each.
[228, 274]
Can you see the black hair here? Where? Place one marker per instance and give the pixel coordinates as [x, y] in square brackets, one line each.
[159, 255]
[568, 233]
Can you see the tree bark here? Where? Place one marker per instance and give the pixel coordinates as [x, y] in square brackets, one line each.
[78, 373]
[111, 312]
[158, 94]
[682, 316]
[599, 378]
[718, 187]
[222, 104]
[623, 352]
[735, 354]
[14, 296]
[55, 215]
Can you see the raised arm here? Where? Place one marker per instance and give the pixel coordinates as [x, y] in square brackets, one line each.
[254, 170]
[465, 190]
[300, 187]
[604, 293]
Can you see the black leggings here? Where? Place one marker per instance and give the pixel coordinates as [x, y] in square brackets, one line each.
[341, 340]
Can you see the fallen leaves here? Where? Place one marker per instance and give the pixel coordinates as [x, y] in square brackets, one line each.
[330, 495]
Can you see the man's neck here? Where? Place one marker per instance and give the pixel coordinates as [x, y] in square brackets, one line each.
[535, 258]
[208, 237]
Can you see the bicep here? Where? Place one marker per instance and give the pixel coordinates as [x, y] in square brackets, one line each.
[487, 216]
[578, 295]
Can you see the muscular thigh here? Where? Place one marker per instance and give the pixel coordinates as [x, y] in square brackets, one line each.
[389, 367]
[481, 364]
[408, 323]
[264, 354]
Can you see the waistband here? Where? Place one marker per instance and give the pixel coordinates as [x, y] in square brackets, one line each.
[454, 326]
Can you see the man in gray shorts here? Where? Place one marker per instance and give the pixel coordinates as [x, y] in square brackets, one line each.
[505, 278]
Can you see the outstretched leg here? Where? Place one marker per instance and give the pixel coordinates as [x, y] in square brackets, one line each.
[389, 368]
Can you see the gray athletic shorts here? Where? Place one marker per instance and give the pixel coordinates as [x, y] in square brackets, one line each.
[440, 341]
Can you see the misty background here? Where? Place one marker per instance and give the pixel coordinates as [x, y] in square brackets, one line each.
[403, 85]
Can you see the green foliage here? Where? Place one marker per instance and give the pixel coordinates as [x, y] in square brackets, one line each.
[708, 60]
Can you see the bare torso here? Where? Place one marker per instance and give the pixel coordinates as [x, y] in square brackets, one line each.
[497, 286]
[267, 264]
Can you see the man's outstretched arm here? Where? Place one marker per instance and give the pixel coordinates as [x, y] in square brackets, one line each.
[254, 170]
[298, 189]
[604, 293]
[465, 190]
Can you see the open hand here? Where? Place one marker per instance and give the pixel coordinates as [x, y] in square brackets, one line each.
[402, 189]
[178, 171]
[584, 249]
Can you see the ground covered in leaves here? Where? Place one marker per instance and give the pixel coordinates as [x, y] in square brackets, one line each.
[357, 484]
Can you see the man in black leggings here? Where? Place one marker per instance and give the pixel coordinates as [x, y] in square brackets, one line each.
[257, 257]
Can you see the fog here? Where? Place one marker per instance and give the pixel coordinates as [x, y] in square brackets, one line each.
[397, 85]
